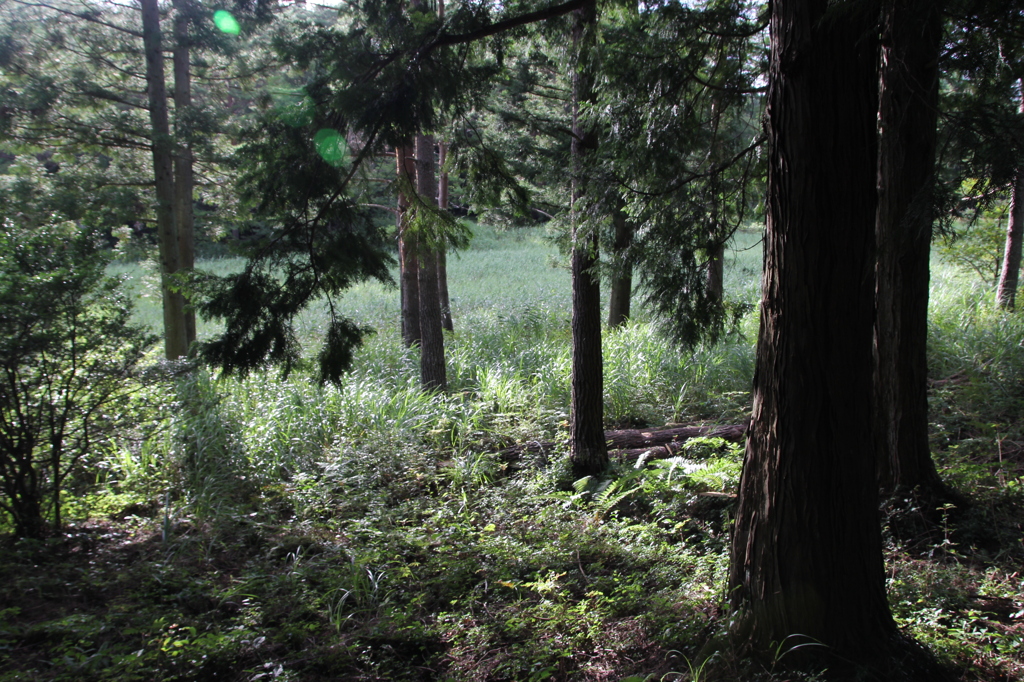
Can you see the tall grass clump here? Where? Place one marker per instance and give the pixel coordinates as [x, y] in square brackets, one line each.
[207, 457]
[650, 382]
[975, 347]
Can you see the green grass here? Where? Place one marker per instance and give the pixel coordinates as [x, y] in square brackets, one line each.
[265, 528]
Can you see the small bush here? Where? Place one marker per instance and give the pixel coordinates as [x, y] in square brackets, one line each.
[69, 354]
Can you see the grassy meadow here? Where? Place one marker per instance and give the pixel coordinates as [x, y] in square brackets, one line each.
[271, 529]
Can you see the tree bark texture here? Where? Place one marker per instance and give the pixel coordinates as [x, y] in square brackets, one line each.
[184, 181]
[175, 339]
[442, 251]
[807, 554]
[588, 451]
[432, 366]
[409, 282]
[907, 119]
[1006, 294]
[621, 289]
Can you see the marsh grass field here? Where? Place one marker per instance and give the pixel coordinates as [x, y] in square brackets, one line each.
[270, 528]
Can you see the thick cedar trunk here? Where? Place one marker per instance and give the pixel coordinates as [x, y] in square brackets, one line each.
[408, 259]
[442, 252]
[1006, 295]
[432, 367]
[183, 175]
[908, 106]
[807, 554]
[621, 288]
[175, 339]
[587, 448]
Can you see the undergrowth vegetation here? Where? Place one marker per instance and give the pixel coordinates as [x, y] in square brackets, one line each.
[270, 528]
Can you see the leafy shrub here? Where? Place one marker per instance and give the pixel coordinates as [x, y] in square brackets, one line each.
[978, 246]
[68, 355]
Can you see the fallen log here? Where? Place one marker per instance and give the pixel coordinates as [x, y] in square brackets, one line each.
[632, 439]
[634, 442]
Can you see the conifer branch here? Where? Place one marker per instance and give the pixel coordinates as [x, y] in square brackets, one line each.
[93, 16]
[444, 40]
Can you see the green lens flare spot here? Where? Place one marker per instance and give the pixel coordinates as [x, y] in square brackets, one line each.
[331, 146]
[226, 22]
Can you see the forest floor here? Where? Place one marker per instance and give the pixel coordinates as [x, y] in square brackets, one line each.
[270, 529]
[504, 577]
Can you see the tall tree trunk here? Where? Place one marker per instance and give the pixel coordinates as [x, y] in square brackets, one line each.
[183, 175]
[908, 115]
[1006, 295]
[432, 367]
[407, 253]
[175, 339]
[442, 251]
[716, 253]
[621, 289]
[716, 274]
[806, 562]
[587, 448]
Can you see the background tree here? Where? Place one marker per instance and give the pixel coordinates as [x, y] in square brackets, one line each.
[184, 171]
[587, 448]
[980, 125]
[381, 74]
[621, 284]
[108, 108]
[407, 252]
[1009, 273]
[908, 113]
[432, 363]
[175, 334]
[680, 148]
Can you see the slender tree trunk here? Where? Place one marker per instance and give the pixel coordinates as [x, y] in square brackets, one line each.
[806, 564]
[587, 448]
[432, 366]
[716, 274]
[716, 253]
[407, 253]
[442, 251]
[1007, 293]
[55, 452]
[175, 339]
[24, 492]
[908, 115]
[183, 175]
[622, 273]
